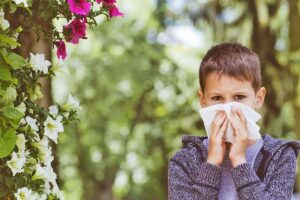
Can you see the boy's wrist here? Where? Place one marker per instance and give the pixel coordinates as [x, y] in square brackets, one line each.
[238, 161]
[214, 162]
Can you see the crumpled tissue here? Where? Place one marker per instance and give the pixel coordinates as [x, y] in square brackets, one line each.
[208, 113]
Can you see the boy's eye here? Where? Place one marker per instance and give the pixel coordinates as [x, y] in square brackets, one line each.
[216, 98]
[240, 97]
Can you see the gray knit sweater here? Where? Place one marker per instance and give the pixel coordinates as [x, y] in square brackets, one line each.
[191, 178]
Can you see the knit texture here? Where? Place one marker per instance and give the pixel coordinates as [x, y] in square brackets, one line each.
[227, 187]
[191, 178]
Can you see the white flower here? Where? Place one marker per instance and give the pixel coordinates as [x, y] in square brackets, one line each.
[46, 156]
[22, 121]
[51, 175]
[25, 194]
[4, 24]
[44, 151]
[21, 1]
[16, 35]
[72, 104]
[66, 114]
[39, 63]
[41, 197]
[53, 127]
[53, 110]
[17, 162]
[41, 144]
[57, 192]
[47, 187]
[1, 13]
[45, 173]
[40, 173]
[32, 123]
[21, 142]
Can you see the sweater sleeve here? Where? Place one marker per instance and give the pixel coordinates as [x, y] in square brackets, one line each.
[182, 186]
[281, 184]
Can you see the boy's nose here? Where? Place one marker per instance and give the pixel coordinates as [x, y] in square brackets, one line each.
[227, 101]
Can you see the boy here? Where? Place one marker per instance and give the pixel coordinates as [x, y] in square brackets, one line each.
[230, 72]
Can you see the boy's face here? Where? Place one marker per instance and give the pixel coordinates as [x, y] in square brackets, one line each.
[226, 89]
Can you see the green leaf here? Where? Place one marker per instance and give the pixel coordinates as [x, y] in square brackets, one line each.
[7, 40]
[5, 73]
[13, 8]
[21, 107]
[18, 30]
[7, 142]
[5, 97]
[11, 93]
[12, 113]
[15, 60]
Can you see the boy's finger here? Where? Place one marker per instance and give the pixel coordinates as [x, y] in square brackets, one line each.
[216, 115]
[241, 116]
[234, 123]
[217, 122]
[235, 119]
[238, 128]
[242, 121]
[223, 128]
[232, 113]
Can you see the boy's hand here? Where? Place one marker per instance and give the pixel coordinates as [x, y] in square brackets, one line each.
[237, 150]
[217, 147]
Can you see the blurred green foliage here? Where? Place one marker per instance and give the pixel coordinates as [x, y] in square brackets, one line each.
[139, 95]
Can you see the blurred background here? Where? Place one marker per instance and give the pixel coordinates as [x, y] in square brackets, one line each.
[136, 78]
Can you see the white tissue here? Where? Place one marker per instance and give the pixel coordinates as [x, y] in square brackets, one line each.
[208, 113]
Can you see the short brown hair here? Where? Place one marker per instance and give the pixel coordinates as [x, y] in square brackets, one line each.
[234, 60]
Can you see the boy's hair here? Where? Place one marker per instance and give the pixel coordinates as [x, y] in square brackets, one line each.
[233, 60]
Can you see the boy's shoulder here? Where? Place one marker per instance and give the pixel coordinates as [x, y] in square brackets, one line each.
[190, 155]
[192, 148]
[273, 145]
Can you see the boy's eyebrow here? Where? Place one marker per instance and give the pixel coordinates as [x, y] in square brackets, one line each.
[220, 93]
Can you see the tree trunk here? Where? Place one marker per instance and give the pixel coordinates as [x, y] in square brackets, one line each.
[263, 42]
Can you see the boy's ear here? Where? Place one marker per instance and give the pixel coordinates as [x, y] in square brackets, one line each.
[260, 97]
[201, 98]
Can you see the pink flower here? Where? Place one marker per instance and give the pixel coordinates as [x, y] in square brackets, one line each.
[61, 50]
[75, 30]
[80, 7]
[106, 2]
[114, 11]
